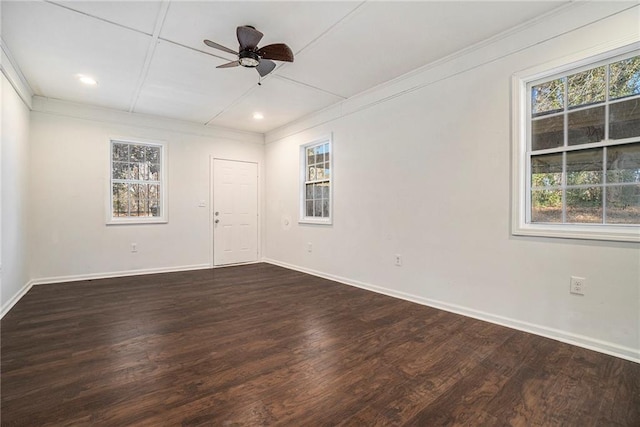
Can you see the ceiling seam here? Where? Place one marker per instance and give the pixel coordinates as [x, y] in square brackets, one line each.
[238, 99]
[96, 17]
[324, 33]
[162, 15]
[192, 48]
[273, 74]
[277, 76]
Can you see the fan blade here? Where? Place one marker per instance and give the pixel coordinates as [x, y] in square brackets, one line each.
[248, 37]
[219, 46]
[278, 51]
[265, 67]
[229, 64]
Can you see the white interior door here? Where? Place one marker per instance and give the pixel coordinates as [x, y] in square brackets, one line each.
[235, 212]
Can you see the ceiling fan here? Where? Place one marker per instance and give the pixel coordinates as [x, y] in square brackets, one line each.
[249, 55]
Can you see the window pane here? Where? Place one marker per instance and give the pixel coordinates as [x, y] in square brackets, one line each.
[317, 191]
[134, 171]
[152, 154]
[320, 171]
[546, 170]
[547, 133]
[120, 199]
[143, 170]
[586, 126]
[623, 163]
[137, 153]
[584, 167]
[311, 175]
[584, 205]
[120, 152]
[309, 191]
[154, 199]
[325, 209]
[119, 170]
[143, 204]
[623, 204]
[154, 172]
[325, 191]
[624, 119]
[546, 206]
[547, 97]
[319, 150]
[327, 171]
[309, 208]
[310, 156]
[587, 87]
[317, 208]
[624, 78]
[134, 196]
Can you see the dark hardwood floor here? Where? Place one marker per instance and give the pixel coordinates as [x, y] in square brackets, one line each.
[259, 344]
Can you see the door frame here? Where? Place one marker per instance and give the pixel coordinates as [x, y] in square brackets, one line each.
[211, 217]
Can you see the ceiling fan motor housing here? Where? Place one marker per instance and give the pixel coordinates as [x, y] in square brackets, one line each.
[248, 58]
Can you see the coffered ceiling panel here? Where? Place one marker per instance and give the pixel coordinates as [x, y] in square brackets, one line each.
[52, 45]
[279, 100]
[186, 84]
[295, 23]
[138, 15]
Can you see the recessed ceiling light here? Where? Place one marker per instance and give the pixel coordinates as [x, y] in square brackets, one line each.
[258, 116]
[87, 80]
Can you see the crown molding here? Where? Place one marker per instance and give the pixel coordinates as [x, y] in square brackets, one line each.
[107, 115]
[14, 75]
[544, 28]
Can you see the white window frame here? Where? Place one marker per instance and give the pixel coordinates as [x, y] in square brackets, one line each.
[164, 217]
[521, 190]
[303, 219]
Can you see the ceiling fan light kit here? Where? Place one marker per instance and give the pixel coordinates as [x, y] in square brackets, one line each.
[250, 56]
[248, 59]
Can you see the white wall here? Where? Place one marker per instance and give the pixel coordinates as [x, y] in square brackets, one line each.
[69, 161]
[422, 169]
[13, 197]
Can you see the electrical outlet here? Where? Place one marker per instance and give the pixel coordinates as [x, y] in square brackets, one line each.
[577, 285]
[398, 260]
[309, 247]
[134, 247]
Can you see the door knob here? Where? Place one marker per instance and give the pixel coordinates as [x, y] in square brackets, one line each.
[217, 221]
[217, 213]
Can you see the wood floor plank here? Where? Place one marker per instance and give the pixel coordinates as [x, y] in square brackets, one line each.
[263, 345]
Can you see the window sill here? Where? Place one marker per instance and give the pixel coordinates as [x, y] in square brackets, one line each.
[137, 221]
[309, 221]
[614, 233]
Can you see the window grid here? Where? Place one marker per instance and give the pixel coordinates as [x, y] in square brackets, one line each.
[136, 180]
[603, 186]
[316, 193]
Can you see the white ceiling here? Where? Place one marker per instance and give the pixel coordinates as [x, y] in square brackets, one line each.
[148, 56]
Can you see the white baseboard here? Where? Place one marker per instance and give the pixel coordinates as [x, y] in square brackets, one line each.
[605, 347]
[237, 264]
[9, 304]
[95, 276]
